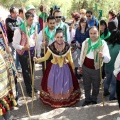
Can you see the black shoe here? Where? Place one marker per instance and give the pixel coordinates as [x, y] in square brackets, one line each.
[113, 99]
[106, 94]
[86, 103]
[94, 102]
[35, 90]
[29, 94]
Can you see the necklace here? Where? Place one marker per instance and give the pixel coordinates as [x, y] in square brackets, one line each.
[59, 43]
[59, 47]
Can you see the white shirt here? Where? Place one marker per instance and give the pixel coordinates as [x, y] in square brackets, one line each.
[90, 55]
[17, 39]
[117, 65]
[41, 39]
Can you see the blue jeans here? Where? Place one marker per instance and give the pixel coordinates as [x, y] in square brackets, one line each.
[110, 82]
[13, 52]
[17, 62]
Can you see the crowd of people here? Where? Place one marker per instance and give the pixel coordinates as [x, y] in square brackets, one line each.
[70, 53]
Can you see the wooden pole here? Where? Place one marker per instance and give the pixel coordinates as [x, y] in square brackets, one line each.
[100, 62]
[33, 78]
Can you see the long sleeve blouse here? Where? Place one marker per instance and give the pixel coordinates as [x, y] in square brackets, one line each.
[58, 58]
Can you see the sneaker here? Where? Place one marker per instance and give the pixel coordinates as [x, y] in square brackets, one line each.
[86, 103]
[19, 70]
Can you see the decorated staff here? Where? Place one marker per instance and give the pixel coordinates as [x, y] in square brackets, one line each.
[43, 16]
[34, 69]
[100, 60]
[42, 20]
[5, 41]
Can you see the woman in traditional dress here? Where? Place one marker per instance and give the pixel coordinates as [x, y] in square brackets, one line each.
[59, 86]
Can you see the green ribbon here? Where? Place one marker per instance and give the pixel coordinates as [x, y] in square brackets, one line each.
[103, 37]
[30, 31]
[95, 46]
[50, 35]
[100, 15]
[44, 16]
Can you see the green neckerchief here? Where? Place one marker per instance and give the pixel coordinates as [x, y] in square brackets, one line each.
[95, 46]
[61, 25]
[30, 31]
[44, 16]
[51, 36]
[105, 37]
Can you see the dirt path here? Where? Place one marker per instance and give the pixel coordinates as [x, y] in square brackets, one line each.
[44, 112]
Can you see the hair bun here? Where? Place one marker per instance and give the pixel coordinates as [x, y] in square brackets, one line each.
[59, 29]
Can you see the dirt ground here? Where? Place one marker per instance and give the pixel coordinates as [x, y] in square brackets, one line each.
[44, 112]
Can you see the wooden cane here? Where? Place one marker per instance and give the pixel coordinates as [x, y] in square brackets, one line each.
[44, 40]
[26, 30]
[100, 62]
[33, 78]
[17, 74]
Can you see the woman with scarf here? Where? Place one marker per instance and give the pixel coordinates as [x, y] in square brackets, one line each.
[104, 35]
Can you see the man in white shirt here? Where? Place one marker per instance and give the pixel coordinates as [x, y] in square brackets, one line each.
[46, 37]
[23, 44]
[93, 49]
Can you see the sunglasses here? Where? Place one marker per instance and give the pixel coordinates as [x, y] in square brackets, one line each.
[58, 17]
[88, 16]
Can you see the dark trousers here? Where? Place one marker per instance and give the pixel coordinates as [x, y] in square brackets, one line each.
[118, 91]
[91, 81]
[25, 64]
[103, 71]
[76, 73]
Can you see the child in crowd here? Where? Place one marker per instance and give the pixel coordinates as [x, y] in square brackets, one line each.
[75, 56]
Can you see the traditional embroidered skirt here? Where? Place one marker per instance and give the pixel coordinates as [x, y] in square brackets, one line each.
[7, 86]
[59, 86]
